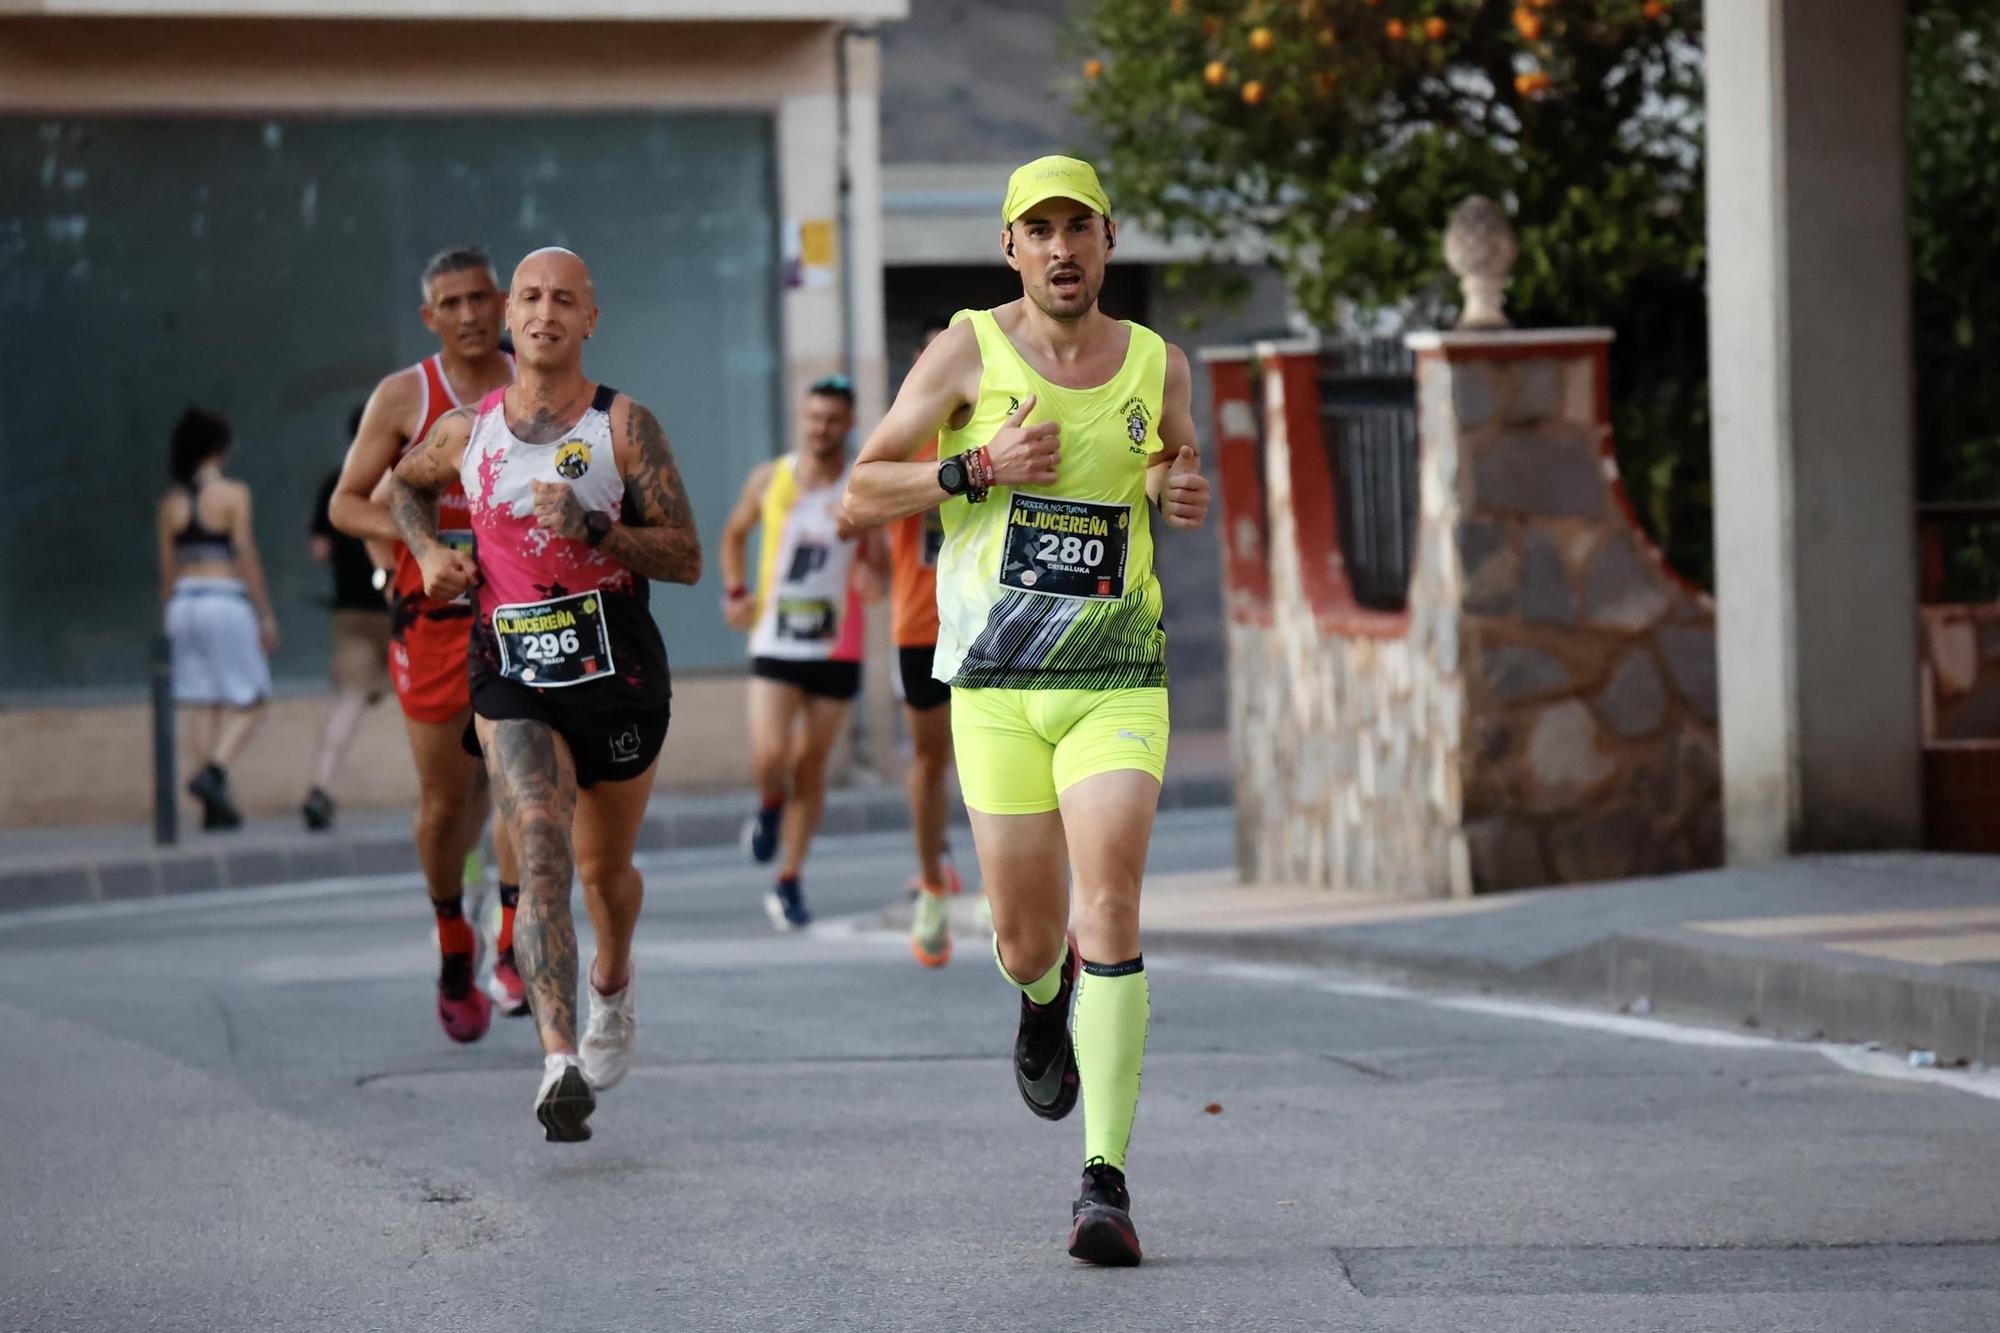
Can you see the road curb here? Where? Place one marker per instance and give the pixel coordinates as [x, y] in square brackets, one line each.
[210, 864]
[1778, 989]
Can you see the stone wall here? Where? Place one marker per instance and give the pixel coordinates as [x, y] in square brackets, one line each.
[1589, 666]
[1542, 712]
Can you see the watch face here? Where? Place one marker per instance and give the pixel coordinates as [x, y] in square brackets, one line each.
[951, 474]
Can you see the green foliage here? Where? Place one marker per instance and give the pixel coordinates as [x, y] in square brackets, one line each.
[1954, 138]
[1583, 117]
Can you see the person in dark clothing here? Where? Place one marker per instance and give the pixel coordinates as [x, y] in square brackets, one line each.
[360, 669]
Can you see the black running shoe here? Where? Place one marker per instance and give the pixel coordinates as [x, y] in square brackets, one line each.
[1044, 1058]
[565, 1101]
[211, 788]
[317, 811]
[1100, 1229]
[760, 833]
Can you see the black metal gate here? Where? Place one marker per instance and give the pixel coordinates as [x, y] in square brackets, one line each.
[1368, 407]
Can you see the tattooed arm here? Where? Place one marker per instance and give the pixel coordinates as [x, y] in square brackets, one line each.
[657, 537]
[413, 492]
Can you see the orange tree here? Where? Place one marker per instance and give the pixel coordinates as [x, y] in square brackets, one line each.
[1343, 132]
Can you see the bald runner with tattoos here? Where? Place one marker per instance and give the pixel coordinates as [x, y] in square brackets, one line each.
[575, 504]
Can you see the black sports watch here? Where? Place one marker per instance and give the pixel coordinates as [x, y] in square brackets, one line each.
[597, 526]
[952, 476]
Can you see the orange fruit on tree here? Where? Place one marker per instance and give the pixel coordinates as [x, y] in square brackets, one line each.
[1528, 23]
[1216, 74]
[1653, 9]
[1396, 29]
[1253, 92]
[1092, 68]
[1261, 40]
[1434, 28]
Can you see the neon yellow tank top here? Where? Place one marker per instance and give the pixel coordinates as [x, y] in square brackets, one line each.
[1053, 588]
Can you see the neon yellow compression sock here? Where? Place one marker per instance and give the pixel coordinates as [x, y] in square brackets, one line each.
[1114, 1008]
[1043, 988]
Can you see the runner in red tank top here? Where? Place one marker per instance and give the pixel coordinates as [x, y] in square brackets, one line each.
[427, 652]
[577, 504]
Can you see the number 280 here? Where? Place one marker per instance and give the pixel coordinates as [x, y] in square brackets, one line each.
[1070, 550]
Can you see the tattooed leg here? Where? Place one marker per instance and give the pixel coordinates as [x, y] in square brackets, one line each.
[534, 784]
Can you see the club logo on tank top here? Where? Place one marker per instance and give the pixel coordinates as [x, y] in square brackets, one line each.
[572, 459]
[1138, 423]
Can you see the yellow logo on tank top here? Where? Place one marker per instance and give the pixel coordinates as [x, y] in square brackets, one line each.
[572, 459]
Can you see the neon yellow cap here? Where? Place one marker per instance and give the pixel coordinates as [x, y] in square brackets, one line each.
[1052, 178]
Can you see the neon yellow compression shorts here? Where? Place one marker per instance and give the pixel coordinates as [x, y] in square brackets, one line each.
[1019, 749]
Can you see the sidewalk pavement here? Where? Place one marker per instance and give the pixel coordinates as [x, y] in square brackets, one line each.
[64, 866]
[1897, 948]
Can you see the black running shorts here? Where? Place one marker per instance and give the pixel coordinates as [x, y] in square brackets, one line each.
[921, 690]
[615, 726]
[821, 679]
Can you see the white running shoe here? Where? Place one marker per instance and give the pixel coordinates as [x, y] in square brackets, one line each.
[607, 1042]
[565, 1101]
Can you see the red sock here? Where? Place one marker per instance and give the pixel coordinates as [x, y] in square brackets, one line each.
[510, 898]
[454, 931]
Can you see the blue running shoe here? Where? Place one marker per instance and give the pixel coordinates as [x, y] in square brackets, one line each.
[786, 906]
[760, 833]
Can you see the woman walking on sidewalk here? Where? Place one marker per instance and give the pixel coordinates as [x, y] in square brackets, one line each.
[218, 611]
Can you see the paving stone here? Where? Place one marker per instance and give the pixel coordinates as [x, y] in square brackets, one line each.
[1505, 854]
[1689, 651]
[1621, 589]
[1565, 756]
[1554, 474]
[1634, 702]
[1535, 391]
[1475, 394]
[1608, 844]
[1520, 671]
[1545, 592]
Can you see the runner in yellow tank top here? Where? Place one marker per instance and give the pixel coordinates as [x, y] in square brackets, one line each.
[1059, 430]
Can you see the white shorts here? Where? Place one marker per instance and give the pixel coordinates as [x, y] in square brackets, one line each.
[218, 656]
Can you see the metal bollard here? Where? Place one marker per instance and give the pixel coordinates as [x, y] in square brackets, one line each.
[166, 798]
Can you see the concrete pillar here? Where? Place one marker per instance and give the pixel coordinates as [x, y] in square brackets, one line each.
[1814, 472]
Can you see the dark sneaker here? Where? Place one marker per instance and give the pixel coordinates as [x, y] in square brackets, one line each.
[1044, 1059]
[760, 833]
[211, 788]
[565, 1101]
[317, 811]
[786, 906]
[1100, 1229]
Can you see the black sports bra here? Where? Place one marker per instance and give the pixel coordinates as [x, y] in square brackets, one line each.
[197, 542]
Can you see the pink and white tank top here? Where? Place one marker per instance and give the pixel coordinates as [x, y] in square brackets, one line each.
[520, 561]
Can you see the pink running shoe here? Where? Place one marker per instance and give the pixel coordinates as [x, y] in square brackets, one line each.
[509, 990]
[464, 1010]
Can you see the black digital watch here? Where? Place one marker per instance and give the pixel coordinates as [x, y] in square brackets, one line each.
[597, 526]
[952, 476]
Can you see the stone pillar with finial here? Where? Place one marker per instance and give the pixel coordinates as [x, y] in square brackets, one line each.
[1479, 247]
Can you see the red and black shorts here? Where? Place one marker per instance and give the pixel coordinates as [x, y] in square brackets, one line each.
[427, 646]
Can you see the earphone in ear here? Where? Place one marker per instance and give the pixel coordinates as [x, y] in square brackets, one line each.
[1010, 249]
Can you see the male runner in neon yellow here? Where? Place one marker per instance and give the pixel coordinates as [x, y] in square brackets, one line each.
[1057, 425]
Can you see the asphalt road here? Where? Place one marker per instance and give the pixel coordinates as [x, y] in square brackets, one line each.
[238, 1114]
